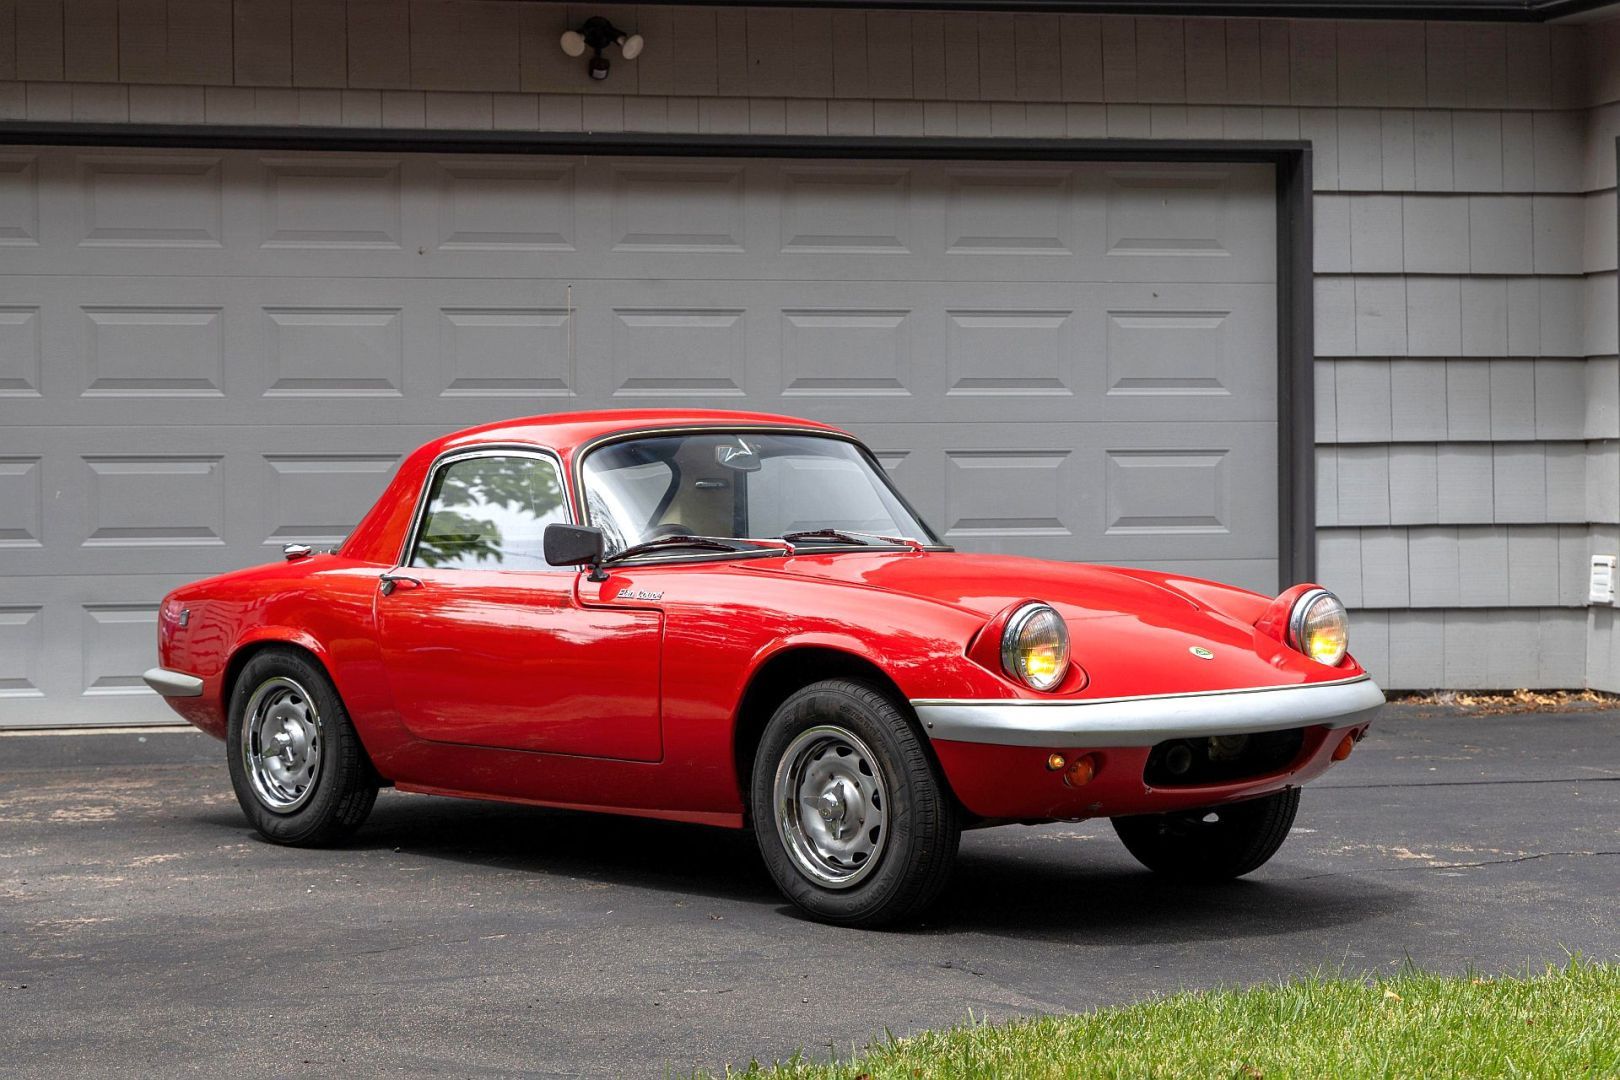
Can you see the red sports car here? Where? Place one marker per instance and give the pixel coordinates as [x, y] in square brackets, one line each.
[735, 619]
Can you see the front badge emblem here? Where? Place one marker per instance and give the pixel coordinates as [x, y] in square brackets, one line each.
[1201, 652]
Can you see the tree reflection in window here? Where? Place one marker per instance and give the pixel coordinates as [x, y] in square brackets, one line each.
[490, 513]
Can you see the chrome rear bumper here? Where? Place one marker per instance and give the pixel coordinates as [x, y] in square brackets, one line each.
[1145, 721]
[173, 683]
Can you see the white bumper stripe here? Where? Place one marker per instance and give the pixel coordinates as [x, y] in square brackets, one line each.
[1144, 721]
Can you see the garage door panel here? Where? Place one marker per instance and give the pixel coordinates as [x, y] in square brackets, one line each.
[517, 352]
[1161, 214]
[1180, 490]
[152, 501]
[176, 349]
[334, 203]
[1193, 352]
[238, 213]
[189, 500]
[841, 351]
[205, 355]
[1019, 210]
[506, 206]
[320, 351]
[845, 210]
[684, 352]
[22, 501]
[1011, 349]
[891, 270]
[1101, 492]
[678, 208]
[72, 649]
[151, 201]
[1019, 352]
[22, 651]
[212, 350]
[21, 350]
[1000, 497]
[19, 200]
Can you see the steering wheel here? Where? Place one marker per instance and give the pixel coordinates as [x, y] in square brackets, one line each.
[668, 528]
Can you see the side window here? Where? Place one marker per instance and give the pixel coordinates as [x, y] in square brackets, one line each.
[490, 513]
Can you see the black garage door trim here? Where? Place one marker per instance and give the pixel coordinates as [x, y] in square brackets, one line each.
[1296, 399]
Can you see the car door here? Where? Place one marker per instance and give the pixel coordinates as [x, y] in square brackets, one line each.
[484, 644]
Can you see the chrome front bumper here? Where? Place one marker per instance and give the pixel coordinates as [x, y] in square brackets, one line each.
[1146, 721]
[173, 683]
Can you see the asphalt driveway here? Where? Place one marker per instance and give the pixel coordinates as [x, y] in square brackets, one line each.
[144, 930]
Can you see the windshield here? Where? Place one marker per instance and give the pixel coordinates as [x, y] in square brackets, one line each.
[742, 485]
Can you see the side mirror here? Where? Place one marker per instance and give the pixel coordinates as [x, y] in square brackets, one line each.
[575, 545]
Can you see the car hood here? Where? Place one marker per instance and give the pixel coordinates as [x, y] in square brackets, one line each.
[986, 584]
[1131, 628]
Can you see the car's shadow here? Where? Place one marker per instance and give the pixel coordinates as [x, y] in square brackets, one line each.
[1074, 891]
[1081, 893]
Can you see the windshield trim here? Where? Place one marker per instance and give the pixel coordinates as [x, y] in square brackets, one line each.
[585, 450]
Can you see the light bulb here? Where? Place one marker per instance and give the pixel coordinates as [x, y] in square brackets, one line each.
[572, 42]
[631, 46]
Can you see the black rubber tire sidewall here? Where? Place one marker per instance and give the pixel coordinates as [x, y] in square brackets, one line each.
[923, 820]
[1247, 835]
[345, 787]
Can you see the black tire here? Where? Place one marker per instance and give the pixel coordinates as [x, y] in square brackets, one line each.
[920, 824]
[1184, 846]
[342, 785]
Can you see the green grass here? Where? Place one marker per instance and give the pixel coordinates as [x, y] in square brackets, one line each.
[1564, 1022]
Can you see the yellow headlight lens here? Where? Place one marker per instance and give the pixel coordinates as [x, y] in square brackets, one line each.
[1041, 665]
[1320, 628]
[1035, 647]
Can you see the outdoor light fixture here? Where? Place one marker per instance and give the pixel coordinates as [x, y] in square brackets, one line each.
[597, 34]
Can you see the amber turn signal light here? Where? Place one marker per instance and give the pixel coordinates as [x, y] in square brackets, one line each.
[1081, 772]
[1055, 762]
[1342, 751]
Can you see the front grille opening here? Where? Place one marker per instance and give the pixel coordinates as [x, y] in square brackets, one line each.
[1220, 759]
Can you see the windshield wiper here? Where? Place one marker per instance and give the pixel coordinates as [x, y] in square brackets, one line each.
[707, 543]
[848, 536]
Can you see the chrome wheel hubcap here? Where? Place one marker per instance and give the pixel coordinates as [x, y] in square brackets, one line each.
[831, 803]
[281, 744]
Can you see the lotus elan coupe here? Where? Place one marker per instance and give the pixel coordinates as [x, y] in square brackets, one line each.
[735, 619]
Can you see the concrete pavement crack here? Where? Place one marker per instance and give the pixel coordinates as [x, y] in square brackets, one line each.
[1467, 865]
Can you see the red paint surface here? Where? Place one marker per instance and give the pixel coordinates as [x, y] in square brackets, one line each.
[548, 688]
[512, 660]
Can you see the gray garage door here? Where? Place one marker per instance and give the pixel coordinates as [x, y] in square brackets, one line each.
[205, 355]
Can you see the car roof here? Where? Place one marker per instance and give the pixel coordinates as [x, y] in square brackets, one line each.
[379, 534]
[566, 431]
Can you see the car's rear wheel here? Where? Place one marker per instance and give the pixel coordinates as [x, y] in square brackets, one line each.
[852, 819]
[300, 773]
[1212, 844]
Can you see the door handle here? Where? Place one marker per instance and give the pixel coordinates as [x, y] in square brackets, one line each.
[390, 582]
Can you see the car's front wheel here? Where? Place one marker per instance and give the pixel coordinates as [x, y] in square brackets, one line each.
[852, 819]
[1212, 844]
[297, 765]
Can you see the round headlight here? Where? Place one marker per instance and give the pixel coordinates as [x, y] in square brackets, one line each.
[1035, 647]
[1319, 627]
